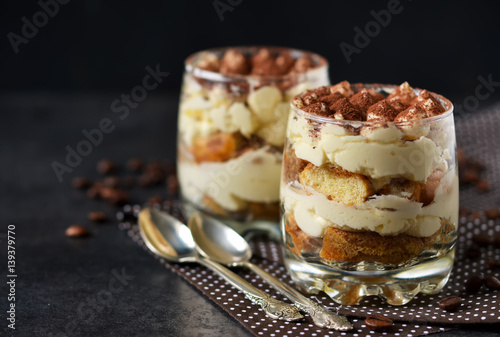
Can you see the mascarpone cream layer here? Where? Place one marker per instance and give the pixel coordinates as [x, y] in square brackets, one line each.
[314, 212]
[264, 113]
[375, 152]
[251, 177]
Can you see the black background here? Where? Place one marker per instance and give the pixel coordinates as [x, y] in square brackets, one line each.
[105, 45]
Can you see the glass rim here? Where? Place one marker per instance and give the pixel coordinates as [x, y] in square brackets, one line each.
[191, 60]
[448, 106]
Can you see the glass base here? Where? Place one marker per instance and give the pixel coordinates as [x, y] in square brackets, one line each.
[396, 287]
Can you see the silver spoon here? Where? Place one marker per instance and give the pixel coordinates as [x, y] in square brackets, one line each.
[169, 238]
[220, 243]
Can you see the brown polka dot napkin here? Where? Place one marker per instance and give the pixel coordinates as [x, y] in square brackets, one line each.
[422, 315]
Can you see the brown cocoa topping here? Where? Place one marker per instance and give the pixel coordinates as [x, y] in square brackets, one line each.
[404, 93]
[377, 96]
[284, 62]
[331, 98]
[344, 110]
[396, 104]
[344, 88]
[209, 61]
[303, 64]
[264, 64]
[234, 63]
[412, 113]
[310, 97]
[318, 108]
[362, 100]
[381, 111]
[431, 106]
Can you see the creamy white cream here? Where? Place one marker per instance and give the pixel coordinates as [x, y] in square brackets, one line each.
[376, 153]
[251, 177]
[313, 211]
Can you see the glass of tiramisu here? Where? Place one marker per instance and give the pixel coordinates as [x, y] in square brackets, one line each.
[369, 191]
[231, 129]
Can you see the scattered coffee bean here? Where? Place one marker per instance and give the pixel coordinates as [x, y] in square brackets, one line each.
[483, 239]
[155, 200]
[472, 253]
[76, 231]
[115, 196]
[172, 185]
[492, 213]
[493, 264]
[378, 322]
[474, 283]
[464, 212]
[81, 183]
[470, 175]
[475, 215]
[450, 304]
[111, 181]
[134, 165]
[94, 192]
[98, 216]
[483, 186]
[491, 282]
[106, 166]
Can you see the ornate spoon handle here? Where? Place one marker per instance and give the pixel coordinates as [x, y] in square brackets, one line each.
[272, 307]
[321, 317]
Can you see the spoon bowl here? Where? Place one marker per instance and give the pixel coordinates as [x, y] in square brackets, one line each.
[169, 238]
[218, 241]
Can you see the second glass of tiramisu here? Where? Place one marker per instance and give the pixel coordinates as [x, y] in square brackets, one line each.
[231, 129]
[370, 192]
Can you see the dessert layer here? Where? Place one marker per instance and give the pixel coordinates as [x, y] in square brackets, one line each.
[254, 176]
[262, 113]
[379, 153]
[383, 214]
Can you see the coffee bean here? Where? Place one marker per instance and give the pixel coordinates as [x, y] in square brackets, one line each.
[111, 181]
[115, 196]
[106, 166]
[483, 186]
[482, 239]
[94, 192]
[470, 175]
[76, 231]
[464, 212]
[493, 264]
[378, 322]
[81, 183]
[134, 164]
[155, 200]
[475, 215]
[172, 185]
[492, 213]
[450, 304]
[491, 282]
[98, 216]
[472, 253]
[474, 283]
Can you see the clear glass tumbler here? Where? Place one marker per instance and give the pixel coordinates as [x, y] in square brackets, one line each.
[231, 128]
[370, 208]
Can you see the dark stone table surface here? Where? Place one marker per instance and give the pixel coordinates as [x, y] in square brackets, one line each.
[103, 285]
